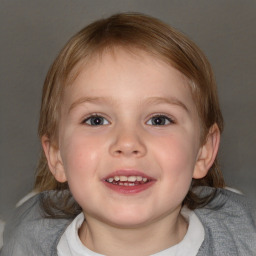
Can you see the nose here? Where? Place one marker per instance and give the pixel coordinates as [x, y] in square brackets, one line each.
[128, 143]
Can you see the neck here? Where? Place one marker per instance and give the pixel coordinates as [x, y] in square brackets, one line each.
[144, 240]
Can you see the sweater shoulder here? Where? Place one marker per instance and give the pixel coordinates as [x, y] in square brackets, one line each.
[229, 221]
[229, 203]
[29, 232]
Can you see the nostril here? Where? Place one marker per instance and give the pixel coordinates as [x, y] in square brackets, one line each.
[120, 152]
[127, 147]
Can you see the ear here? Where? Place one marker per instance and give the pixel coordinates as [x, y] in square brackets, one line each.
[207, 153]
[54, 160]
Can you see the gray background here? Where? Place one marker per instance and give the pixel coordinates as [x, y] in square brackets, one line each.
[32, 32]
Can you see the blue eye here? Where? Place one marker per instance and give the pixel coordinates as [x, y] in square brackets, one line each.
[159, 120]
[96, 120]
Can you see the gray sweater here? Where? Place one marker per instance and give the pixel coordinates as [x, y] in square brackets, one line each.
[229, 222]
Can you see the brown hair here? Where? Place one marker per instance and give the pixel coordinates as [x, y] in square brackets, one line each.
[128, 30]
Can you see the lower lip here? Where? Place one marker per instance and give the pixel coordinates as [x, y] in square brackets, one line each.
[129, 189]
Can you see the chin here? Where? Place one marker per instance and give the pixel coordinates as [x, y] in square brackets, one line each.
[128, 219]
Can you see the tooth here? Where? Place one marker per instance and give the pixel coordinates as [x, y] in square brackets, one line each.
[139, 178]
[132, 178]
[126, 184]
[131, 184]
[144, 179]
[116, 178]
[110, 180]
[123, 178]
[120, 183]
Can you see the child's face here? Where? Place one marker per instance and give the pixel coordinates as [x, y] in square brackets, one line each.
[128, 115]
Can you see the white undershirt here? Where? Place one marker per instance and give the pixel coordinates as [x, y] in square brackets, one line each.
[71, 245]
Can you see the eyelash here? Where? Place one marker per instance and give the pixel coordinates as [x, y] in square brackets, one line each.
[90, 118]
[103, 121]
[166, 117]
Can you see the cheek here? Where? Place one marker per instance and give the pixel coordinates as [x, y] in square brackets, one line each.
[177, 157]
[80, 156]
[177, 150]
[175, 160]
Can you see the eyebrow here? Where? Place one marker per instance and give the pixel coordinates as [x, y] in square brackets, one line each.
[148, 101]
[169, 100]
[89, 99]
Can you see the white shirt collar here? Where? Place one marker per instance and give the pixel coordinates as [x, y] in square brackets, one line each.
[71, 245]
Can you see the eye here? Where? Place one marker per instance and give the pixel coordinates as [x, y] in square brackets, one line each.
[96, 120]
[159, 120]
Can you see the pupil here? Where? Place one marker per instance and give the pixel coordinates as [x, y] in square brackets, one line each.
[158, 120]
[96, 121]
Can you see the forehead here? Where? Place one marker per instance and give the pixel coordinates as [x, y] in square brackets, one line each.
[112, 69]
[101, 55]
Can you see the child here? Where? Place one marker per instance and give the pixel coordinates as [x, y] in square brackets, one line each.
[130, 128]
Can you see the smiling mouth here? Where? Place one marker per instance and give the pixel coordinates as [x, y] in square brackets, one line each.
[127, 180]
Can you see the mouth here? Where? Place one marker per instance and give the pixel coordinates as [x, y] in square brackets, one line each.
[128, 182]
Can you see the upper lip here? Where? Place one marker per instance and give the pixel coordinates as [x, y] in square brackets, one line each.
[128, 172]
